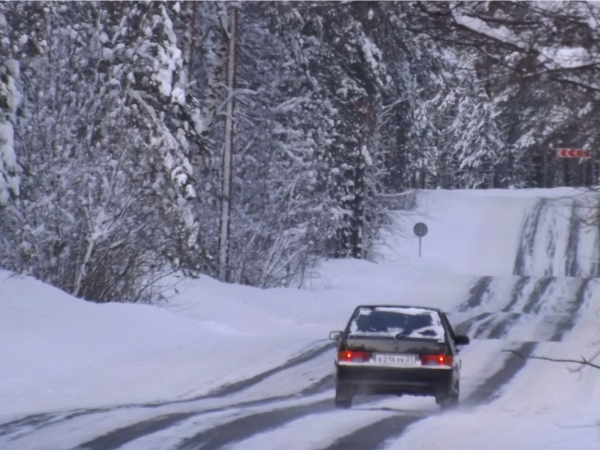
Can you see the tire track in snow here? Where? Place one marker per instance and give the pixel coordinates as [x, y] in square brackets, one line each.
[572, 268]
[465, 327]
[561, 237]
[516, 293]
[477, 294]
[242, 428]
[30, 421]
[495, 325]
[527, 239]
[30, 424]
[539, 291]
[533, 301]
[241, 385]
[121, 436]
[376, 436]
[568, 322]
[501, 327]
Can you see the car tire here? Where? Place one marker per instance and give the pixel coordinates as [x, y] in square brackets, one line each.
[450, 399]
[343, 397]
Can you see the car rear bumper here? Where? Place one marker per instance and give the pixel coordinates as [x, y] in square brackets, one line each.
[384, 380]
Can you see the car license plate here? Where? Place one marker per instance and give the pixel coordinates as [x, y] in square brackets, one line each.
[388, 359]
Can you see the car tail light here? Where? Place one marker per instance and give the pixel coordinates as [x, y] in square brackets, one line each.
[436, 360]
[353, 356]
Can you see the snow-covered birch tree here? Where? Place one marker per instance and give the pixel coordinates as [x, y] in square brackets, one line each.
[228, 143]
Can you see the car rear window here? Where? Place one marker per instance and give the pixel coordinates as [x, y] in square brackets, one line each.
[389, 321]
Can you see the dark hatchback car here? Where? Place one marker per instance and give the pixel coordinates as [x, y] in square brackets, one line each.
[398, 350]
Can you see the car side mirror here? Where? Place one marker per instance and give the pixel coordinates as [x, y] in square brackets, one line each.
[462, 340]
[335, 335]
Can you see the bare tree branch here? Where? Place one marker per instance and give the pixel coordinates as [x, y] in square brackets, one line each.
[583, 361]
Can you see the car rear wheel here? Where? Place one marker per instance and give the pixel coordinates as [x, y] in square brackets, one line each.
[449, 400]
[343, 397]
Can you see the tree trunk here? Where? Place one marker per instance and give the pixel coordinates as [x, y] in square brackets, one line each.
[219, 54]
[358, 205]
[228, 148]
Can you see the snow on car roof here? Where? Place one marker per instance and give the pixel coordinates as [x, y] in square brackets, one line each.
[411, 310]
[410, 322]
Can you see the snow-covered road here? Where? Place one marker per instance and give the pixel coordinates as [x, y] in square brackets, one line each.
[247, 369]
[264, 411]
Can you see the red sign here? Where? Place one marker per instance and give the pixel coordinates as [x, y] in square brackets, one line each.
[573, 153]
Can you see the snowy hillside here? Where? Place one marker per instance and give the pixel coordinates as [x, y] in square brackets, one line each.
[232, 366]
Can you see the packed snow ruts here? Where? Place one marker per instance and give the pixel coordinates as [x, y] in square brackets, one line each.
[376, 435]
[121, 436]
[229, 389]
[568, 222]
[476, 294]
[247, 426]
[26, 425]
[535, 291]
[529, 294]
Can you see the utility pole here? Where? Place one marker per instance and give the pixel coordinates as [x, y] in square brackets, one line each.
[224, 228]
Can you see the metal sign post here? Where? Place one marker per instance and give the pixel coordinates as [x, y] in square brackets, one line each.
[420, 230]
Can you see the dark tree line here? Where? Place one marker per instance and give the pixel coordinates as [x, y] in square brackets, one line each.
[114, 117]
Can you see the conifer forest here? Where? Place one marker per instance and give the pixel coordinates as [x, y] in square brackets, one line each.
[248, 140]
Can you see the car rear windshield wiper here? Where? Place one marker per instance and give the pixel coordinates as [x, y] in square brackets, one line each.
[402, 334]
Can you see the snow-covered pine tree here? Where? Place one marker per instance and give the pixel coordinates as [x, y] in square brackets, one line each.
[342, 58]
[10, 98]
[280, 216]
[102, 141]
